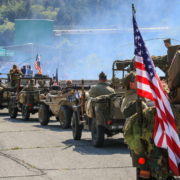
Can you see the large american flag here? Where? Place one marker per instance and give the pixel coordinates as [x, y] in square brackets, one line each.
[149, 86]
[37, 65]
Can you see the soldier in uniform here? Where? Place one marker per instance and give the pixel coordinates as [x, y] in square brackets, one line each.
[162, 61]
[102, 88]
[138, 133]
[30, 86]
[128, 106]
[167, 43]
[15, 73]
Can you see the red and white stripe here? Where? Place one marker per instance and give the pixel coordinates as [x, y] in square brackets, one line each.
[37, 65]
[39, 70]
[165, 131]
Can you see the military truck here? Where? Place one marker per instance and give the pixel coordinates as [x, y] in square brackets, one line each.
[58, 102]
[26, 99]
[150, 161]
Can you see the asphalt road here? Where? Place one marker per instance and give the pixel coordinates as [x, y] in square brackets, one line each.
[29, 151]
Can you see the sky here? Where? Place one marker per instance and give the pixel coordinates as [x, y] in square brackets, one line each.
[86, 56]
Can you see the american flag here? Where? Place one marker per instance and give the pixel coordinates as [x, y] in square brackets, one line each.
[37, 65]
[149, 86]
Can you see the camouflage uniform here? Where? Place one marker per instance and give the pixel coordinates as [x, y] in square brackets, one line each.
[138, 133]
[101, 88]
[128, 106]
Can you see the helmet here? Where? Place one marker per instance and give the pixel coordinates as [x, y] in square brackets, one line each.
[167, 41]
[102, 76]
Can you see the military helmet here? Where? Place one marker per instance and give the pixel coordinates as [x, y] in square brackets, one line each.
[103, 76]
[128, 78]
[167, 41]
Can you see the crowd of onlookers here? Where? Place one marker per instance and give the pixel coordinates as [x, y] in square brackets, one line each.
[27, 71]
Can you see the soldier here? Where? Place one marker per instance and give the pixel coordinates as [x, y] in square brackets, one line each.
[30, 86]
[15, 73]
[128, 106]
[138, 133]
[162, 61]
[102, 88]
[167, 43]
[68, 88]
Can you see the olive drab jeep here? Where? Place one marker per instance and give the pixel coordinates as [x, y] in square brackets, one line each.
[150, 161]
[58, 102]
[102, 116]
[27, 97]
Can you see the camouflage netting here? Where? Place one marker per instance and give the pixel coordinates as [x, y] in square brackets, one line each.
[132, 134]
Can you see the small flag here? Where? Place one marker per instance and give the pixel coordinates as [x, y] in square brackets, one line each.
[37, 65]
[149, 86]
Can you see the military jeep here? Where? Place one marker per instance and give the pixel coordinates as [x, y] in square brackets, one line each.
[58, 102]
[26, 100]
[100, 115]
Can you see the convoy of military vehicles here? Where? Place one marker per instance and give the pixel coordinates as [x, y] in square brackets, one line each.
[73, 107]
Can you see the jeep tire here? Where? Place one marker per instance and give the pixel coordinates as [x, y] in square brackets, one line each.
[76, 127]
[65, 114]
[97, 133]
[44, 114]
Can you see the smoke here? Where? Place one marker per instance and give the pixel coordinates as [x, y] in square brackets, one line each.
[84, 56]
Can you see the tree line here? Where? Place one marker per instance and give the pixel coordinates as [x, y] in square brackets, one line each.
[64, 13]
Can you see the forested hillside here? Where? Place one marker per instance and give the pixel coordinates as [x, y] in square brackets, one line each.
[65, 13]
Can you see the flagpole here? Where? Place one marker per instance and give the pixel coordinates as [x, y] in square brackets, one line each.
[133, 9]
